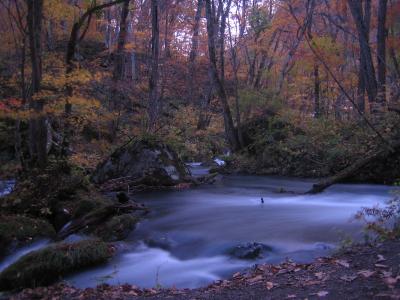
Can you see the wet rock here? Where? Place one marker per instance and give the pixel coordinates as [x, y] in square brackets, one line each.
[159, 241]
[250, 251]
[117, 228]
[323, 246]
[142, 162]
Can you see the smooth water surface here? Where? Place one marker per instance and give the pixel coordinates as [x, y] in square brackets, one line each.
[185, 240]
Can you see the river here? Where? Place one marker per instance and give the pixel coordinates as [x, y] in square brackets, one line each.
[186, 239]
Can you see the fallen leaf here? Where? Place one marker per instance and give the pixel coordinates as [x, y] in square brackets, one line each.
[348, 278]
[381, 258]
[255, 279]
[366, 273]
[322, 293]
[391, 281]
[270, 285]
[343, 263]
[381, 266]
[297, 269]
[386, 273]
[236, 274]
[311, 282]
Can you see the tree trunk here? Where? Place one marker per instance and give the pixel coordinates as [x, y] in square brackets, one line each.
[317, 104]
[153, 110]
[362, 77]
[119, 66]
[235, 66]
[193, 50]
[381, 53]
[228, 122]
[365, 49]
[37, 124]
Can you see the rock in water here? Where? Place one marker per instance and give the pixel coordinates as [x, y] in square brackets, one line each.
[249, 251]
[142, 162]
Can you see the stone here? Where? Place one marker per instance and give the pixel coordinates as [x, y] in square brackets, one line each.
[144, 162]
[250, 250]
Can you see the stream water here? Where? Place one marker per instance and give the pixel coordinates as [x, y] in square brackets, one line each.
[186, 239]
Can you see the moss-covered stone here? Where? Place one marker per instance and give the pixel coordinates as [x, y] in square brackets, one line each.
[21, 229]
[146, 161]
[57, 194]
[117, 228]
[47, 265]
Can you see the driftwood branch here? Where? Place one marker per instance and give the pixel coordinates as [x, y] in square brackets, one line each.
[353, 168]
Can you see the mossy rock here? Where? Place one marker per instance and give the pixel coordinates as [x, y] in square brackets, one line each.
[147, 160]
[117, 228]
[21, 229]
[89, 203]
[48, 265]
[57, 194]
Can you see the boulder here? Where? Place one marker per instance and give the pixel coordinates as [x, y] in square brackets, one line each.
[249, 251]
[143, 162]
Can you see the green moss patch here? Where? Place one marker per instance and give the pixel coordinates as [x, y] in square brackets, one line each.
[117, 228]
[47, 265]
[22, 229]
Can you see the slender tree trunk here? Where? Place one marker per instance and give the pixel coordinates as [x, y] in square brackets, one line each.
[381, 53]
[37, 124]
[235, 66]
[363, 33]
[362, 77]
[228, 122]
[153, 110]
[119, 69]
[194, 49]
[317, 104]
[119, 66]
[361, 86]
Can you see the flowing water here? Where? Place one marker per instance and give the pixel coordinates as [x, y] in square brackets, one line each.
[186, 239]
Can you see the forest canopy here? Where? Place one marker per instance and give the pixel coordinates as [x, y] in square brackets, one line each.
[78, 77]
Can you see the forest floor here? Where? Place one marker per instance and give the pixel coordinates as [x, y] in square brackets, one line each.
[358, 272]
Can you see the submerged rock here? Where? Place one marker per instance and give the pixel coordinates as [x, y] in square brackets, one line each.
[141, 162]
[47, 265]
[250, 251]
[160, 241]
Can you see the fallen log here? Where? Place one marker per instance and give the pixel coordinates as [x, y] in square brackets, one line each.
[99, 216]
[353, 168]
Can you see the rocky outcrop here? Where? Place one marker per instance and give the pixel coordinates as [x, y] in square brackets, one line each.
[141, 162]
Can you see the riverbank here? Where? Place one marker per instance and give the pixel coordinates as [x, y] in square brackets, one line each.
[358, 272]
